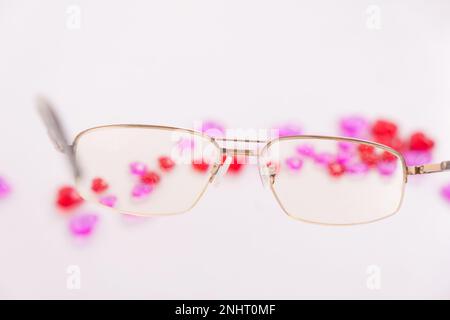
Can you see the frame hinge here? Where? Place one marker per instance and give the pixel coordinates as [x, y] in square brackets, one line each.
[429, 168]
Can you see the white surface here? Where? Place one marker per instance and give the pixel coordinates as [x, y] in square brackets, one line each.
[249, 64]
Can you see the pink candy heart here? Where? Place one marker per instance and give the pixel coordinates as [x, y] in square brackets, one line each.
[354, 126]
[141, 191]
[306, 150]
[288, 129]
[445, 192]
[83, 224]
[324, 158]
[417, 158]
[387, 168]
[5, 188]
[294, 163]
[138, 168]
[357, 168]
[213, 129]
[109, 201]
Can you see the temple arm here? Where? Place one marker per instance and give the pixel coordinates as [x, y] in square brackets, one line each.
[429, 168]
[56, 132]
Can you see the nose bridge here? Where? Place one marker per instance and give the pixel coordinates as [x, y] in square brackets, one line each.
[240, 147]
[246, 151]
[240, 152]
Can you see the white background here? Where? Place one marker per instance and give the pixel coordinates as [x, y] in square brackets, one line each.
[249, 64]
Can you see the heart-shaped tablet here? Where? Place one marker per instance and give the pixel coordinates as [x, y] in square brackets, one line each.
[141, 191]
[166, 163]
[294, 163]
[236, 164]
[82, 225]
[336, 169]
[384, 128]
[5, 188]
[109, 201]
[420, 142]
[99, 185]
[68, 198]
[200, 166]
[150, 177]
[138, 168]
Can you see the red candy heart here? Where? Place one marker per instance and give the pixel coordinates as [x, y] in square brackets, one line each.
[393, 142]
[150, 177]
[420, 142]
[369, 159]
[365, 148]
[235, 165]
[336, 169]
[274, 167]
[99, 185]
[384, 128]
[200, 166]
[68, 198]
[387, 156]
[166, 163]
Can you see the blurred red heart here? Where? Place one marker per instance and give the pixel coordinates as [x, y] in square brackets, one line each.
[420, 142]
[336, 169]
[236, 164]
[387, 156]
[201, 166]
[68, 198]
[370, 159]
[393, 142]
[384, 128]
[99, 185]
[150, 177]
[166, 163]
[366, 149]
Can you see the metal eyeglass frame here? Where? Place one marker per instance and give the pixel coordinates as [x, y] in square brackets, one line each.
[59, 138]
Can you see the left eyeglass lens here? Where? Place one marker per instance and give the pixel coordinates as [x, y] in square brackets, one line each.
[144, 170]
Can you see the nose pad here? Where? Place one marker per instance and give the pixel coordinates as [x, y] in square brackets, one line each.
[267, 173]
[222, 169]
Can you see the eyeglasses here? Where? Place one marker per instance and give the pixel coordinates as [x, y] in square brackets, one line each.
[150, 170]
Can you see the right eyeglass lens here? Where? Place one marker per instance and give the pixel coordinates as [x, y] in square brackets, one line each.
[333, 181]
[144, 170]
